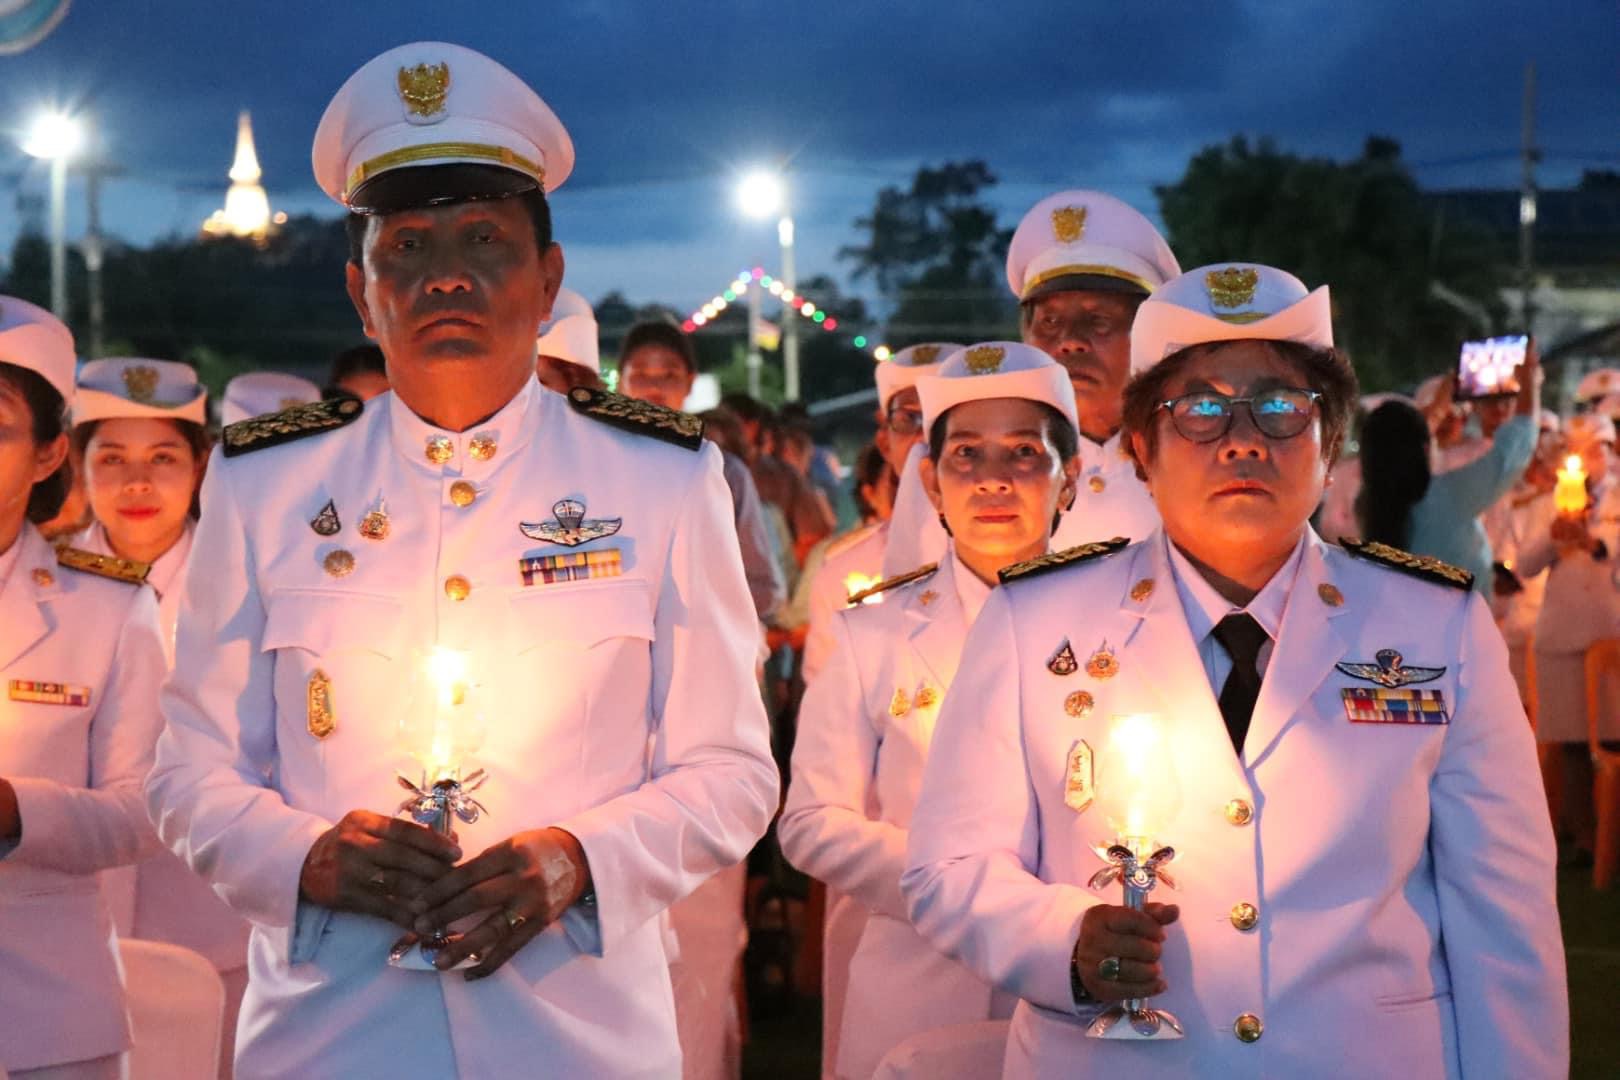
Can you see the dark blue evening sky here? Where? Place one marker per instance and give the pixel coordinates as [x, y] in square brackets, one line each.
[667, 102]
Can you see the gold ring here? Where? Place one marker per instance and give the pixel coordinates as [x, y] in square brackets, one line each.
[514, 921]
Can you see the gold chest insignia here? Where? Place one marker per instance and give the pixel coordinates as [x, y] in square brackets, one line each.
[320, 717]
[1103, 663]
[423, 90]
[1063, 661]
[570, 527]
[986, 359]
[1077, 785]
[1069, 224]
[900, 704]
[140, 382]
[927, 697]
[1079, 704]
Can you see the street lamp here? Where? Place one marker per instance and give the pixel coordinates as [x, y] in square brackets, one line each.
[56, 137]
[762, 195]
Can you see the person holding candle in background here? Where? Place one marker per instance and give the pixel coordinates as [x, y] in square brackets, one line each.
[1001, 468]
[1581, 605]
[573, 555]
[1362, 854]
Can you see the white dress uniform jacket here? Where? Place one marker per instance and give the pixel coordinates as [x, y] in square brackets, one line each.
[1581, 605]
[856, 559]
[76, 755]
[1110, 501]
[864, 730]
[1401, 874]
[580, 675]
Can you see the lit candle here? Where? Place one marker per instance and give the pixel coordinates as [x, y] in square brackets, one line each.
[441, 725]
[1136, 782]
[1570, 495]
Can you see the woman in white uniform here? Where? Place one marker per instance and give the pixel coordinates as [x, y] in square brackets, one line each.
[140, 442]
[1001, 466]
[82, 660]
[1362, 857]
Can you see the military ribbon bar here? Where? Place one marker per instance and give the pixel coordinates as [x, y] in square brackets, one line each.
[48, 693]
[573, 566]
[1377, 705]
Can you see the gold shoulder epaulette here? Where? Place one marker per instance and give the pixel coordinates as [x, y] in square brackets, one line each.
[108, 566]
[300, 421]
[1420, 566]
[1067, 557]
[639, 417]
[892, 583]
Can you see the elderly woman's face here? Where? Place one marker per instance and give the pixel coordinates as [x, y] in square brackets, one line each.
[1244, 490]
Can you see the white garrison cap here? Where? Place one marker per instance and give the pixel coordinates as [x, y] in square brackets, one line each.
[997, 369]
[1583, 429]
[571, 334]
[259, 392]
[33, 338]
[436, 104]
[1597, 384]
[131, 388]
[1086, 240]
[905, 367]
[1229, 302]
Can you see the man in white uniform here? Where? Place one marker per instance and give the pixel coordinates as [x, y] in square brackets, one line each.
[575, 552]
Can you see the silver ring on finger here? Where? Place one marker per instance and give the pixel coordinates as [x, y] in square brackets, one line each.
[1108, 969]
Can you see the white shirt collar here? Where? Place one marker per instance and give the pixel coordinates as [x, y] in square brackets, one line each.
[9, 557]
[478, 450]
[1205, 608]
[970, 591]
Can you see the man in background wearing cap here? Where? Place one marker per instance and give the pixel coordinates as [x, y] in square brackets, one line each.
[582, 571]
[259, 393]
[568, 353]
[1335, 750]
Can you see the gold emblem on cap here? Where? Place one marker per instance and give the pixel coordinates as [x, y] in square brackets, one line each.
[43, 577]
[319, 716]
[986, 359]
[439, 449]
[923, 354]
[423, 88]
[1232, 287]
[339, 563]
[1079, 704]
[1142, 589]
[1330, 594]
[482, 447]
[141, 383]
[1069, 223]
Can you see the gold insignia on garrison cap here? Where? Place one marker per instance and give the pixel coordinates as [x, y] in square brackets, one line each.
[260, 432]
[922, 355]
[423, 88]
[986, 359]
[1420, 566]
[639, 417]
[141, 383]
[1069, 223]
[1232, 287]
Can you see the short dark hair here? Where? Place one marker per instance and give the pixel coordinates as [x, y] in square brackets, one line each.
[48, 411]
[1065, 440]
[354, 226]
[871, 468]
[357, 360]
[664, 335]
[748, 409]
[1328, 371]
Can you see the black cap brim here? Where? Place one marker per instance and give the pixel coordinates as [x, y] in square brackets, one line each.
[1084, 283]
[417, 186]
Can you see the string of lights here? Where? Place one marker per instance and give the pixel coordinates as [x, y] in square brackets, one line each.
[798, 303]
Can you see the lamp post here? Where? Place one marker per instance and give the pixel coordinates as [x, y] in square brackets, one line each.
[56, 137]
[761, 196]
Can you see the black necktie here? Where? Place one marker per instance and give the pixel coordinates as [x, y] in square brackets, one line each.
[1241, 636]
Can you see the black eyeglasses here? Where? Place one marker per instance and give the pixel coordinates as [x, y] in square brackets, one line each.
[905, 421]
[1206, 416]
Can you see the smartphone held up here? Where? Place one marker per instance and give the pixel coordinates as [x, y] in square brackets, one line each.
[1490, 367]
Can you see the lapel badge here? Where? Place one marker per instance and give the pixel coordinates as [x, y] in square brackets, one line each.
[1330, 594]
[927, 697]
[1097, 484]
[928, 597]
[43, 577]
[1077, 785]
[1103, 664]
[570, 527]
[327, 523]
[900, 704]
[339, 563]
[1142, 589]
[1078, 704]
[1388, 670]
[375, 526]
[319, 716]
[1063, 661]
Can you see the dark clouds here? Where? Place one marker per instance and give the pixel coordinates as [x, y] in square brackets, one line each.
[666, 100]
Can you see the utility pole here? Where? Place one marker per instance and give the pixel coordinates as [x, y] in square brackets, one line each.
[94, 252]
[1528, 156]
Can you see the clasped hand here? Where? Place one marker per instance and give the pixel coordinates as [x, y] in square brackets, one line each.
[408, 874]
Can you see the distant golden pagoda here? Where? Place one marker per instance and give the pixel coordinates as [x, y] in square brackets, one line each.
[247, 207]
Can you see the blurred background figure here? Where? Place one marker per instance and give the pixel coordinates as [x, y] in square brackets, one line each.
[568, 353]
[1336, 518]
[1519, 529]
[359, 372]
[259, 392]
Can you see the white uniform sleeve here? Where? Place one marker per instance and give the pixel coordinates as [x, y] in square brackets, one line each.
[828, 596]
[1494, 870]
[81, 830]
[713, 784]
[824, 829]
[970, 880]
[210, 793]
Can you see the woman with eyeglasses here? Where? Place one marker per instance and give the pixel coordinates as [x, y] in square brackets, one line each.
[81, 661]
[1328, 739]
[1002, 441]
